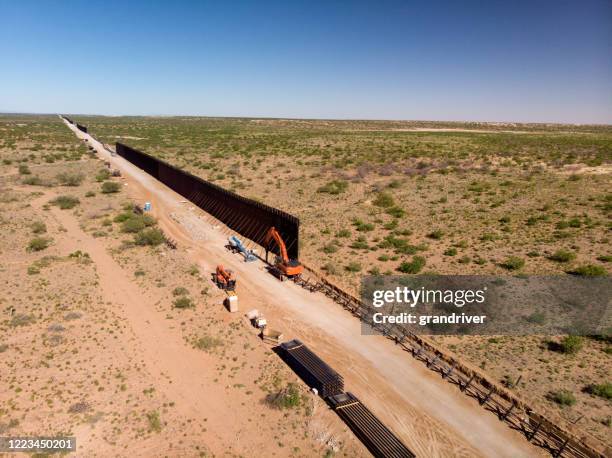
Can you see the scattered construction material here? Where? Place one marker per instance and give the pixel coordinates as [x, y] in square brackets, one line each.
[271, 336]
[231, 302]
[283, 266]
[225, 279]
[312, 369]
[235, 245]
[378, 439]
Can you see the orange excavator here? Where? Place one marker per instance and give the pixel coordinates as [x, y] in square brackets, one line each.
[225, 279]
[283, 266]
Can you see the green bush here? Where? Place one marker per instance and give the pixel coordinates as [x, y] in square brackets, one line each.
[384, 199]
[109, 187]
[39, 244]
[334, 187]
[32, 181]
[571, 344]
[24, 169]
[180, 291]
[562, 397]
[102, 175]
[562, 256]
[183, 302]
[603, 390]
[207, 343]
[38, 227]
[329, 248]
[452, 251]
[513, 263]
[70, 179]
[396, 212]
[150, 236]
[353, 267]
[343, 233]
[154, 421]
[65, 202]
[589, 270]
[436, 235]
[412, 267]
[287, 398]
[136, 223]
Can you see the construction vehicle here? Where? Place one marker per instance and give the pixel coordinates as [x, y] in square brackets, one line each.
[225, 279]
[283, 266]
[235, 245]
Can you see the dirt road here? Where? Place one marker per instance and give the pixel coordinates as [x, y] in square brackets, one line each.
[431, 416]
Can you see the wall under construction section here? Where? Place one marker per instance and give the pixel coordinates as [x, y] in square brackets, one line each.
[249, 218]
[82, 128]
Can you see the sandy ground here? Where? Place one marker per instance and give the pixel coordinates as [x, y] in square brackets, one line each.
[431, 416]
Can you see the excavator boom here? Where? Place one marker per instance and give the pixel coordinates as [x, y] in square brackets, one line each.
[284, 265]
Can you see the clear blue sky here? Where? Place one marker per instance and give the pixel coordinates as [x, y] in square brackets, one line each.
[447, 60]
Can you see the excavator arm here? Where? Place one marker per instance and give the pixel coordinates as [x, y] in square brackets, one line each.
[274, 235]
[284, 266]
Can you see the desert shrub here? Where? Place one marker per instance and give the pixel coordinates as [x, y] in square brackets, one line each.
[3, 348]
[353, 266]
[571, 345]
[38, 227]
[536, 318]
[334, 187]
[180, 291]
[589, 270]
[412, 267]
[90, 194]
[603, 390]
[65, 202]
[33, 270]
[154, 421]
[384, 199]
[102, 175]
[150, 236]
[436, 235]
[513, 263]
[32, 181]
[504, 219]
[70, 179]
[363, 227]
[452, 251]
[562, 256]
[383, 258]
[183, 302]
[605, 258]
[207, 342]
[21, 319]
[24, 169]
[360, 244]
[39, 244]
[343, 233]
[329, 248]
[396, 212]
[287, 398]
[562, 397]
[135, 223]
[109, 187]
[331, 268]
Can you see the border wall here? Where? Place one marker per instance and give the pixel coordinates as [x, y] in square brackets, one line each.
[248, 217]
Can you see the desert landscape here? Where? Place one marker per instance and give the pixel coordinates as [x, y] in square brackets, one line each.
[110, 335]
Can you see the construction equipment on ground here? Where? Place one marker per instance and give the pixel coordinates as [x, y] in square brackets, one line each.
[235, 245]
[271, 336]
[257, 319]
[225, 279]
[283, 266]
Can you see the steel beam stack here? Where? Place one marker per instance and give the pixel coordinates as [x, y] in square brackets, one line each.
[312, 369]
[378, 439]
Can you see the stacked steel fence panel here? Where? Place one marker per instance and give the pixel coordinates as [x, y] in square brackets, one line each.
[249, 218]
[378, 439]
[312, 369]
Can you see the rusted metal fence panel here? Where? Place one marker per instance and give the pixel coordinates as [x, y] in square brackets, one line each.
[249, 218]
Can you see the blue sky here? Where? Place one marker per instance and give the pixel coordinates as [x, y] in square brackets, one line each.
[532, 60]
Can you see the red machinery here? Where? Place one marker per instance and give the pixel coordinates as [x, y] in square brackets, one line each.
[283, 265]
[225, 279]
